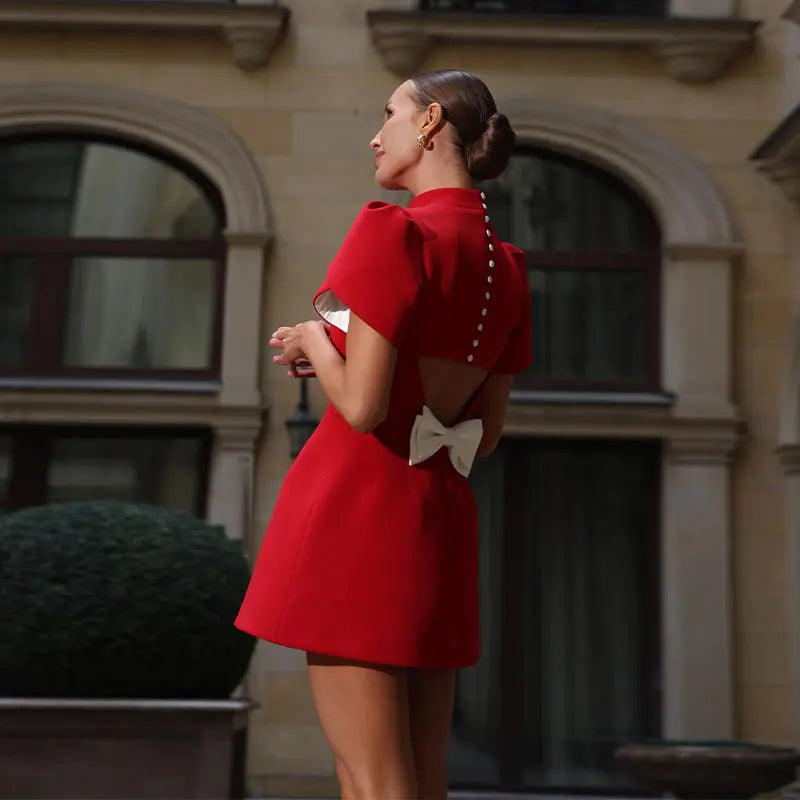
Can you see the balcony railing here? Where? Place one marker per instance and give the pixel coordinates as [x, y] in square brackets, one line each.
[599, 8]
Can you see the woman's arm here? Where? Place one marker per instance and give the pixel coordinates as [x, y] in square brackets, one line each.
[491, 408]
[358, 387]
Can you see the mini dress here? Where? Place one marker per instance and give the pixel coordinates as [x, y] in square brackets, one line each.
[371, 552]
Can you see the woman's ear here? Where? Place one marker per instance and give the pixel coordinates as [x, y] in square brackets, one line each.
[433, 119]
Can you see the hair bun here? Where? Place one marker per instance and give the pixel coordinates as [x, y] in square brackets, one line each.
[488, 155]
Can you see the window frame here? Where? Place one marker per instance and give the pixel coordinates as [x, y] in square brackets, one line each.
[510, 748]
[53, 257]
[647, 263]
[31, 456]
[647, 260]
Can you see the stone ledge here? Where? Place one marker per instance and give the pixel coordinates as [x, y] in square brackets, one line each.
[251, 31]
[692, 50]
[237, 422]
[689, 439]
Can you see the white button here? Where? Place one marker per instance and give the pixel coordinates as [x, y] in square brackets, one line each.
[474, 342]
[484, 312]
[488, 296]
[491, 249]
[470, 357]
[483, 196]
[486, 218]
[488, 233]
[490, 279]
[491, 264]
[484, 205]
[480, 327]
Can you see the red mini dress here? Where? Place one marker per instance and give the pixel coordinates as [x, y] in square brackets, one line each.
[366, 556]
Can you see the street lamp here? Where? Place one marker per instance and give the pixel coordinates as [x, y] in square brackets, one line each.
[301, 422]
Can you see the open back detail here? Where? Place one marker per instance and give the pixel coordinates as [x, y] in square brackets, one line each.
[434, 280]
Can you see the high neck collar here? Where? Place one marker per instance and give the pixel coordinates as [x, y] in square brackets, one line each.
[448, 196]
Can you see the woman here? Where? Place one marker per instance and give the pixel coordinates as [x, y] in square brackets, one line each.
[370, 560]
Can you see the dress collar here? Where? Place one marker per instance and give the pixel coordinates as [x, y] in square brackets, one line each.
[449, 196]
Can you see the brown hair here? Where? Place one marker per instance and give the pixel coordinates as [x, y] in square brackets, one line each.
[483, 135]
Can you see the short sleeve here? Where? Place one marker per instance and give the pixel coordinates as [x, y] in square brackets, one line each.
[517, 355]
[376, 274]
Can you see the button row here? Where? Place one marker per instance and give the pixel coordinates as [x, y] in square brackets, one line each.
[488, 295]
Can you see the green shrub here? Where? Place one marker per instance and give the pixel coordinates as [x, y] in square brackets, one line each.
[108, 599]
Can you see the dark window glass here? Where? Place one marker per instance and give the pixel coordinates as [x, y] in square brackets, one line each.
[583, 322]
[77, 189]
[140, 312]
[634, 8]
[593, 254]
[111, 263]
[53, 465]
[569, 617]
[5, 470]
[16, 300]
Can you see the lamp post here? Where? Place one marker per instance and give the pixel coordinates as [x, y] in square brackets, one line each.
[301, 422]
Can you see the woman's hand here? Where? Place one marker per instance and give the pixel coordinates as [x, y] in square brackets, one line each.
[292, 343]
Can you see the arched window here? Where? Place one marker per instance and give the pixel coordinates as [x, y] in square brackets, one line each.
[593, 254]
[111, 262]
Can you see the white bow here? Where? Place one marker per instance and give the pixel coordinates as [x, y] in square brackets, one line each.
[429, 435]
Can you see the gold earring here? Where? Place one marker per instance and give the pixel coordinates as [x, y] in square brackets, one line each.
[423, 143]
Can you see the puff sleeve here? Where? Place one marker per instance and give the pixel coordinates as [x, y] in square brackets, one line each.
[517, 355]
[377, 273]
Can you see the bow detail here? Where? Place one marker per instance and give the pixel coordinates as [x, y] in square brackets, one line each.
[428, 436]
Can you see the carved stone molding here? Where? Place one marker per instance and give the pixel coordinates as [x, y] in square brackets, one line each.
[238, 423]
[793, 12]
[778, 156]
[192, 134]
[702, 450]
[696, 439]
[693, 50]
[251, 31]
[696, 221]
[698, 59]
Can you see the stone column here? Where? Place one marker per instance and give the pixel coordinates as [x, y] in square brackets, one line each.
[696, 591]
[697, 341]
[230, 490]
[241, 343]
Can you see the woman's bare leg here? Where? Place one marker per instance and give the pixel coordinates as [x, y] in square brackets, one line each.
[363, 711]
[430, 696]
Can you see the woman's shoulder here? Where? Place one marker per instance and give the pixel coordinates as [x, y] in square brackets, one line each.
[390, 220]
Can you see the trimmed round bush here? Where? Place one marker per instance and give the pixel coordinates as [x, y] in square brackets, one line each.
[106, 599]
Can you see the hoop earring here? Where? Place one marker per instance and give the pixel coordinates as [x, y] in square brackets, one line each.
[423, 143]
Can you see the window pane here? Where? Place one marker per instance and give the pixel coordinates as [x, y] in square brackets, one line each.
[68, 188]
[589, 325]
[16, 298]
[569, 617]
[147, 469]
[586, 612]
[549, 203]
[143, 313]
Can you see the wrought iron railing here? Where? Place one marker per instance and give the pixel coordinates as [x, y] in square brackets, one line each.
[600, 8]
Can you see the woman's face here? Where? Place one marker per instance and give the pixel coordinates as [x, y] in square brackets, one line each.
[395, 145]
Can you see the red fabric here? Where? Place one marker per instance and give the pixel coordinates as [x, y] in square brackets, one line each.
[365, 556]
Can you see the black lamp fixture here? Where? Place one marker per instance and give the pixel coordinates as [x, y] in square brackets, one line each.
[301, 422]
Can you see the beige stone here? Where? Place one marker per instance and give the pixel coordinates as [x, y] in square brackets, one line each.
[305, 122]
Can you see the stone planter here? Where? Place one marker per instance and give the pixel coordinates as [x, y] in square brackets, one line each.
[122, 749]
[710, 770]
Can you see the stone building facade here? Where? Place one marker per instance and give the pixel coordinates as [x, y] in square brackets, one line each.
[683, 117]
